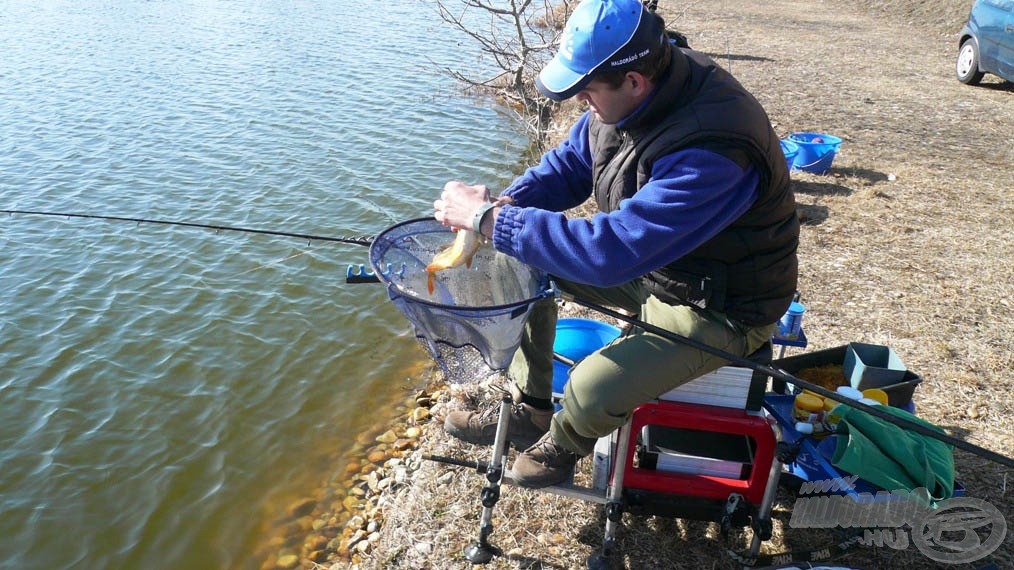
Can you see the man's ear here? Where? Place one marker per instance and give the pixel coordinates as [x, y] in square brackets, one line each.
[639, 84]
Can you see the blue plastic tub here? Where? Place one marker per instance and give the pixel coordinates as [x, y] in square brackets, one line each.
[790, 150]
[816, 151]
[576, 339]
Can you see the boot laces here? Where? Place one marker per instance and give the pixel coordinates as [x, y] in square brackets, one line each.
[489, 411]
[549, 449]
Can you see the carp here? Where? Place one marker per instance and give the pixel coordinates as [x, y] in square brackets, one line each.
[460, 252]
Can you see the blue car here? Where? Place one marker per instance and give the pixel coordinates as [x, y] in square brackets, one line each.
[986, 44]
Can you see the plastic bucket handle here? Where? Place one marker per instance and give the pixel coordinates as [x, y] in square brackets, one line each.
[827, 148]
[813, 164]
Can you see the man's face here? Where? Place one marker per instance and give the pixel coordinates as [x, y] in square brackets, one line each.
[609, 104]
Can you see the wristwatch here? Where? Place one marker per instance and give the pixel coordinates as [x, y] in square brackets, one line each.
[479, 215]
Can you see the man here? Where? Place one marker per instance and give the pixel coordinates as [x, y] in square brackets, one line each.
[696, 231]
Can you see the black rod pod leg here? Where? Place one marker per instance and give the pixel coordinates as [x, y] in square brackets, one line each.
[603, 560]
[481, 551]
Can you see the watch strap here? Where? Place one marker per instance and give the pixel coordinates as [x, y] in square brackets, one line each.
[479, 215]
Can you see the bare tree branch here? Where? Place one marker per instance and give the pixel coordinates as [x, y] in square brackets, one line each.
[519, 39]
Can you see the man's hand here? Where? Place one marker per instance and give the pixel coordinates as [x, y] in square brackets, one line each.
[458, 204]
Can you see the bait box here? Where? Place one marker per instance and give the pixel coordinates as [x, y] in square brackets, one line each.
[899, 392]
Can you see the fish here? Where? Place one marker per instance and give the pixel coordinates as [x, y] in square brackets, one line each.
[460, 252]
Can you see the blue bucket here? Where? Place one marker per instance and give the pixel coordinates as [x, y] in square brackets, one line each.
[576, 339]
[816, 151]
[790, 150]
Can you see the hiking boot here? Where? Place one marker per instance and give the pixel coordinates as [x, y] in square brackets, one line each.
[479, 427]
[544, 464]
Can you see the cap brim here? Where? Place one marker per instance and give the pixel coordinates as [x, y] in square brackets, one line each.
[559, 82]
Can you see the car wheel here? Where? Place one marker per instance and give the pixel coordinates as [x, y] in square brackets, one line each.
[967, 66]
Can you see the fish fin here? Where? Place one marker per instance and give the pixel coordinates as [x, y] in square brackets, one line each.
[430, 285]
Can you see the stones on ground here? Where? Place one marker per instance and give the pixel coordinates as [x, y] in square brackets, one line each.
[287, 561]
[420, 415]
[373, 481]
[351, 503]
[342, 525]
[350, 513]
[352, 467]
[315, 542]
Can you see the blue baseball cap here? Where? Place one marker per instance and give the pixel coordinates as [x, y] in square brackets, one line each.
[601, 35]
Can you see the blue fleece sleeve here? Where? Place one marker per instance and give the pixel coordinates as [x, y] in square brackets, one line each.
[562, 179]
[691, 196]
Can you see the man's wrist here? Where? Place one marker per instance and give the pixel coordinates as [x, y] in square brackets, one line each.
[489, 221]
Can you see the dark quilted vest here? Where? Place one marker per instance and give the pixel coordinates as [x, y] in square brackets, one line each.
[749, 270]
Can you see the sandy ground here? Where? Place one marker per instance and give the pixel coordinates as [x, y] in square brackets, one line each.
[906, 243]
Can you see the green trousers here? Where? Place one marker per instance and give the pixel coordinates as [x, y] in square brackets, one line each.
[605, 387]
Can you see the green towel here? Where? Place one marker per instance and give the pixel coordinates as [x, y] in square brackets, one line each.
[892, 457]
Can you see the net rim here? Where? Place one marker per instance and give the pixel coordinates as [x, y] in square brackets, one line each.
[546, 286]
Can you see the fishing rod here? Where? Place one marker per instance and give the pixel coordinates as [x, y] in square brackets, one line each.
[734, 358]
[354, 240]
[789, 378]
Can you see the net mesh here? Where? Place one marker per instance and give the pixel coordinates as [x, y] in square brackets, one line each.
[472, 322]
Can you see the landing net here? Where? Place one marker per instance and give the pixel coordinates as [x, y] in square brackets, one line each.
[472, 322]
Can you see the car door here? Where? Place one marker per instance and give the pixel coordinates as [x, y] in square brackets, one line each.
[995, 20]
[1005, 49]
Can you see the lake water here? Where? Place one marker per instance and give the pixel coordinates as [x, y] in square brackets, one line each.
[165, 390]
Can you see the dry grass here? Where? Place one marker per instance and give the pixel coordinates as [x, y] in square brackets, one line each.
[906, 243]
